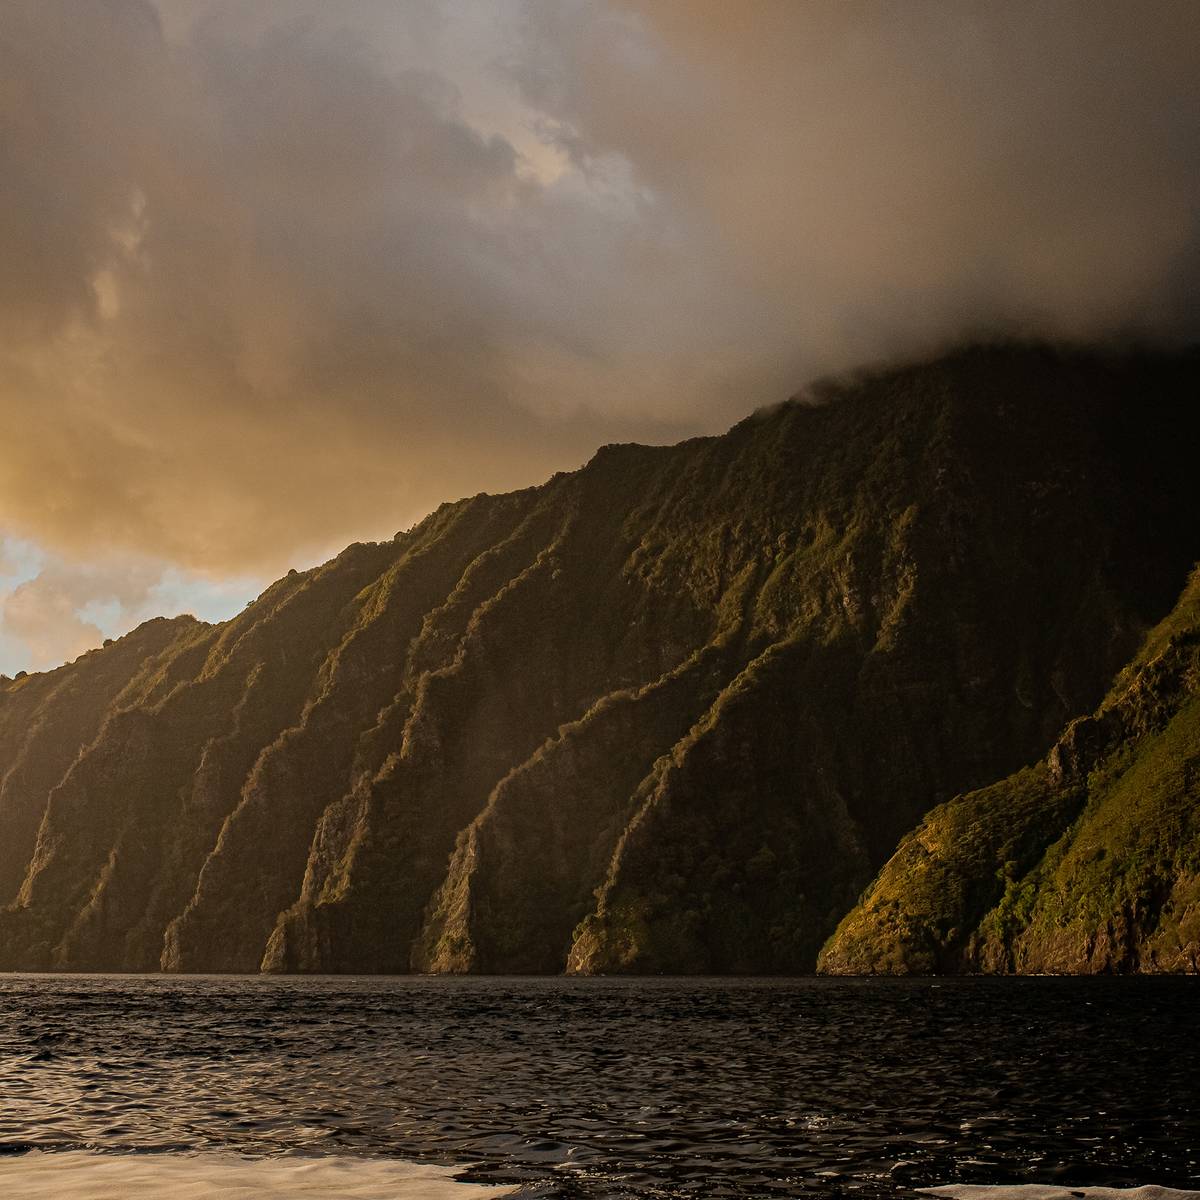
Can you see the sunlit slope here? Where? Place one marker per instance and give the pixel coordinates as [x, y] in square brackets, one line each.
[670, 712]
[1088, 861]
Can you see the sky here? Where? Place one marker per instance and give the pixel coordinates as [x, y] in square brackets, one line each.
[280, 275]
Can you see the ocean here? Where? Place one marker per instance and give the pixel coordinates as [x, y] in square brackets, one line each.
[386, 1088]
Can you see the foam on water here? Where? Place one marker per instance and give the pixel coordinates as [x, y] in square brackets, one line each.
[80, 1175]
[1040, 1191]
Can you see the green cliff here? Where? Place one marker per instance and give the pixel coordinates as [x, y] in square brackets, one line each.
[670, 712]
[1087, 862]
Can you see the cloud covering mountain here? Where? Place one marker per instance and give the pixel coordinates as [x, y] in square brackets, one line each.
[282, 275]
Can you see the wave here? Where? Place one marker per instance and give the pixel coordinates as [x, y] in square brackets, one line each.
[84, 1175]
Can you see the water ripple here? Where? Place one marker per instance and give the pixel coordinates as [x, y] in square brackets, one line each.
[621, 1088]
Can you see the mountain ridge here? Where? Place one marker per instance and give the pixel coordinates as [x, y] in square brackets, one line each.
[670, 712]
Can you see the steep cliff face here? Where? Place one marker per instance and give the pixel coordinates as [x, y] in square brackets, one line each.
[667, 713]
[47, 720]
[1087, 862]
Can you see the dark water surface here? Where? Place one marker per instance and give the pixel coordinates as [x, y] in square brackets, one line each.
[624, 1087]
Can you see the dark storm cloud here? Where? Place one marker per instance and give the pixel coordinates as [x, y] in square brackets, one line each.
[283, 274]
[891, 173]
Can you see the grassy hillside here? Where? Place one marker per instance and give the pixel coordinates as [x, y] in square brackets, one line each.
[1088, 861]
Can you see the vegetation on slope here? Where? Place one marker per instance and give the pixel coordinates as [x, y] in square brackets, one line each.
[1089, 861]
[669, 712]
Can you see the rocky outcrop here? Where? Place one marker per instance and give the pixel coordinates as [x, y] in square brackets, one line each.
[670, 712]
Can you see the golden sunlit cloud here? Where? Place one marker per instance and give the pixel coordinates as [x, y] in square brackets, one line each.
[285, 275]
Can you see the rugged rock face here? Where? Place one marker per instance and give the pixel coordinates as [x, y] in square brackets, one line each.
[1087, 862]
[667, 713]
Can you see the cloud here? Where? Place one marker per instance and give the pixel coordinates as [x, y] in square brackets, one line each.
[283, 275]
[45, 621]
[891, 175]
[48, 614]
[54, 610]
[267, 295]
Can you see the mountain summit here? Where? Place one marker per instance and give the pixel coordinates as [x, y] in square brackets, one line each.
[668, 713]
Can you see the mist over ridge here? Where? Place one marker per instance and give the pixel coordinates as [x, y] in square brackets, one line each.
[282, 275]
